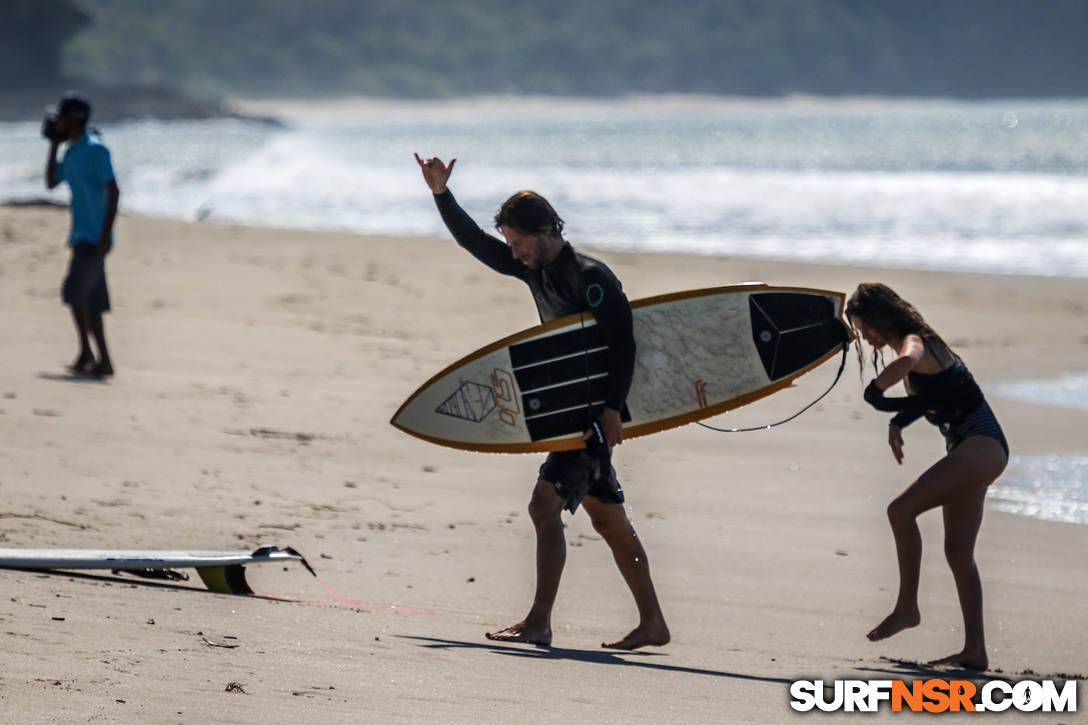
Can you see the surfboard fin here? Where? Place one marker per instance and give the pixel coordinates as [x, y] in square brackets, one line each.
[229, 579]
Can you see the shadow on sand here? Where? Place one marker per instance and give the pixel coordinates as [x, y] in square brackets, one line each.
[600, 657]
[73, 378]
[909, 669]
[108, 577]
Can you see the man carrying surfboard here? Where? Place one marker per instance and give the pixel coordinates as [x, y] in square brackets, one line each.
[564, 282]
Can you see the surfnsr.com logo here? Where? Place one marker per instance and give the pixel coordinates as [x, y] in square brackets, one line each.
[933, 695]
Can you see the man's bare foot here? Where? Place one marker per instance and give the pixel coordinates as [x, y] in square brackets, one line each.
[893, 624]
[82, 365]
[656, 635]
[523, 632]
[968, 659]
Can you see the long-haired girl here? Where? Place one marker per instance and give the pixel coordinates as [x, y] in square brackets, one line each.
[940, 387]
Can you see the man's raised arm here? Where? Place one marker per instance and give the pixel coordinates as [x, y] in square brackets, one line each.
[488, 249]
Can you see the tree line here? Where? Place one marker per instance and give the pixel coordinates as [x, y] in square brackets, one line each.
[425, 48]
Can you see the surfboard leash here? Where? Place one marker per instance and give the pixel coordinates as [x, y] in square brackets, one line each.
[768, 426]
[340, 600]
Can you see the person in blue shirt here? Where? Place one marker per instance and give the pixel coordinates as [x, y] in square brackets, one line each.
[87, 170]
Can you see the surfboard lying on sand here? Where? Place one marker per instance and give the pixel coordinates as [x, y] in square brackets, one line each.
[699, 353]
[221, 571]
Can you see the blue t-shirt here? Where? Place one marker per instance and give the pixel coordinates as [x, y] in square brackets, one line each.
[87, 169]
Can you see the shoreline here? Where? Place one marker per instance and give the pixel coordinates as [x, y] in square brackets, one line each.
[257, 370]
[288, 107]
[48, 203]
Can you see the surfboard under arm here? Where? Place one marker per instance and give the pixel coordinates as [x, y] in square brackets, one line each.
[699, 353]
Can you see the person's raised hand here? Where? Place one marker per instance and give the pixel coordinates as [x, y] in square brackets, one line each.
[435, 173]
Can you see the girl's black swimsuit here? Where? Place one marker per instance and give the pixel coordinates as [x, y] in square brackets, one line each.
[950, 400]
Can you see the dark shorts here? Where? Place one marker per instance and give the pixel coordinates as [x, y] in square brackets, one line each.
[980, 422]
[573, 475]
[85, 286]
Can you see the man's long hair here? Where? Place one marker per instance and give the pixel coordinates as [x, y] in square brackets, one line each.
[529, 213]
[879, 307]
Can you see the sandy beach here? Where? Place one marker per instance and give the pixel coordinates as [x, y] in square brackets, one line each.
[257, 371]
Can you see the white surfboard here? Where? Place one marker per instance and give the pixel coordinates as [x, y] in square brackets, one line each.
[699, 353]
[221, 571]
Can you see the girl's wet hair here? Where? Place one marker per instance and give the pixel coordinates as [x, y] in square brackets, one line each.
[879, 307]
[529, 213]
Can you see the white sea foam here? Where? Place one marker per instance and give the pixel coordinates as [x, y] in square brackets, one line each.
[927, 184]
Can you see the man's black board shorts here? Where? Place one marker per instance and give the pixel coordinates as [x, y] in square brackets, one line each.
[85, 286]
[574, 476]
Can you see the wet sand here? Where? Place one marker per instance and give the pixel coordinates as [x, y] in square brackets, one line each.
[257, 371]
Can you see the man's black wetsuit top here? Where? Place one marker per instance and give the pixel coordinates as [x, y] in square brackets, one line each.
[572, 282]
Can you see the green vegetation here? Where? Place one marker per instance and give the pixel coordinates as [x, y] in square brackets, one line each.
[31, 36]
[421, 48]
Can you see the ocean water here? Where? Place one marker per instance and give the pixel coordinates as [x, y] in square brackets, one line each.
[990, 186]
[1068, 391]
[1055, 486]
[1052, 487]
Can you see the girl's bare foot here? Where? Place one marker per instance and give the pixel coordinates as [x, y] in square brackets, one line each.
[970, 659]
[656, 635]
[894, 623]
[523, 632]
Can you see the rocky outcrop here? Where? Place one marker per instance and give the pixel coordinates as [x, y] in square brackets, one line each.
[32, 36]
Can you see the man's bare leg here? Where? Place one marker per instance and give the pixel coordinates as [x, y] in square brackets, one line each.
[105, 365]
[85, 360]
[545, 509]
[611, 522]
